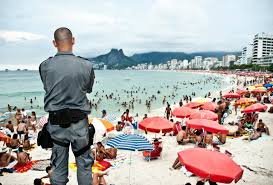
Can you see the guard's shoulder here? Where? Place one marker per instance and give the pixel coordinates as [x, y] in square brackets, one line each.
[46, 61]
[83, 58]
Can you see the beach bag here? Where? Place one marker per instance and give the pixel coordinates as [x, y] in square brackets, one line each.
[44, 139]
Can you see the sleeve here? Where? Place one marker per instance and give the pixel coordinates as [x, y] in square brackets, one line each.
[91, 80]
[42, 75]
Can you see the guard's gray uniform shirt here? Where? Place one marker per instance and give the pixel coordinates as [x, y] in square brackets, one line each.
[66, 80]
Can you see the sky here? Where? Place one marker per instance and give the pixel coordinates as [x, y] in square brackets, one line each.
[27, 26]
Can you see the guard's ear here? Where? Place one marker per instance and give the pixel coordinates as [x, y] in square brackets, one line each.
[73, 41]
[54, 43]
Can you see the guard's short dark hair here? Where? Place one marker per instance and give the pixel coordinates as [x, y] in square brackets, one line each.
[62, 33]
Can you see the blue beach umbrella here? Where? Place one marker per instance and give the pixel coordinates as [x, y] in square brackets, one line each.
[131, 142]
[268, 85]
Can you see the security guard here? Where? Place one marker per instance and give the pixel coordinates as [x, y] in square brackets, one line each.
[67, 79]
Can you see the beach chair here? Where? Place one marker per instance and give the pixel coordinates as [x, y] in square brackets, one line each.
[154, 154]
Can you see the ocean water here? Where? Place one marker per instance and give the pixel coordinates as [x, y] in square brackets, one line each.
[18, 87]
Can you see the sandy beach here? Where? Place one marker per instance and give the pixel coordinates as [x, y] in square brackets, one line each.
[254, 157]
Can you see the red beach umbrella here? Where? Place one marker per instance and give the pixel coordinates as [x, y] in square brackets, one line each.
[257, 107]
[193, 105]
[183, 112]
[207, 125]
[232, 95]
[211, 165]
[209, 106]
[156, 125]
[204, 114]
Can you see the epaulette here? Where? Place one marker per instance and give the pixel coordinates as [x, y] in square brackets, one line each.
[83, 58]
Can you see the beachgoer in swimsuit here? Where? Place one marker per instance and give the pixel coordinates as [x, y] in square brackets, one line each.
[21, 129]
[6, 158]
[262, 127]
[182, 137]
[102, 153]
[23, 157]
[168, 111]
[14, 142]
[10, 126]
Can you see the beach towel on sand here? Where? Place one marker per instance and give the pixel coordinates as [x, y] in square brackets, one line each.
[21, 168]
[98, 166]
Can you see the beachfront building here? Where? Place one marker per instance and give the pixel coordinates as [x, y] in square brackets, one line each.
[246, 55]
[198, 62]
[262, 46]
[266, 60]
[227, 59]
[185, 64]
[150, 66]
[172, 64]
[209, 62]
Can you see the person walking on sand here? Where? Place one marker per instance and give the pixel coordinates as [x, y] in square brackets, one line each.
[67, 79]
[168, 111]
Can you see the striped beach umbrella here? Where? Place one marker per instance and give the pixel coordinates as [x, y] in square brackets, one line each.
[131, 142]
[101, 124]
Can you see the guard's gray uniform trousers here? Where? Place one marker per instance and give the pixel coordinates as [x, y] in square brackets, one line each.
[77, 135]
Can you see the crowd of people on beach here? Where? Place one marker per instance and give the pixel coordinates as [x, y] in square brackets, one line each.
[19, 129]
[24, 126]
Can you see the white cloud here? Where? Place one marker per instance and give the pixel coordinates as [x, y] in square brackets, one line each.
[18, 36]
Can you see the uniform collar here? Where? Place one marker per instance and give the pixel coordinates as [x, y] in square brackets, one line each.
[64, 53]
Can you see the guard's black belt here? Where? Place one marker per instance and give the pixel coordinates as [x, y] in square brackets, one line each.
[65, 117]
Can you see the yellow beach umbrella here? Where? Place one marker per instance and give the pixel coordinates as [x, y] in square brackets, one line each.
[242, 101]
[202, 100]
[260, 88]
[251, 87]
[258, 85]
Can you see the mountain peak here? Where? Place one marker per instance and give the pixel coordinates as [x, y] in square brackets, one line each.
[115, 59]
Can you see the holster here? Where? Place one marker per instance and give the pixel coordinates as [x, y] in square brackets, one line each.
[65, 117]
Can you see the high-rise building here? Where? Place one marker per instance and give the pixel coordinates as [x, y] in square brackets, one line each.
[227, 59]
[246, 55]
[209, 62]
[198, 62]
[185, 64]
[262, 46]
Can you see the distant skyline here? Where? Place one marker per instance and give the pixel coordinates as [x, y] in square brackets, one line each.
[27, 26]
